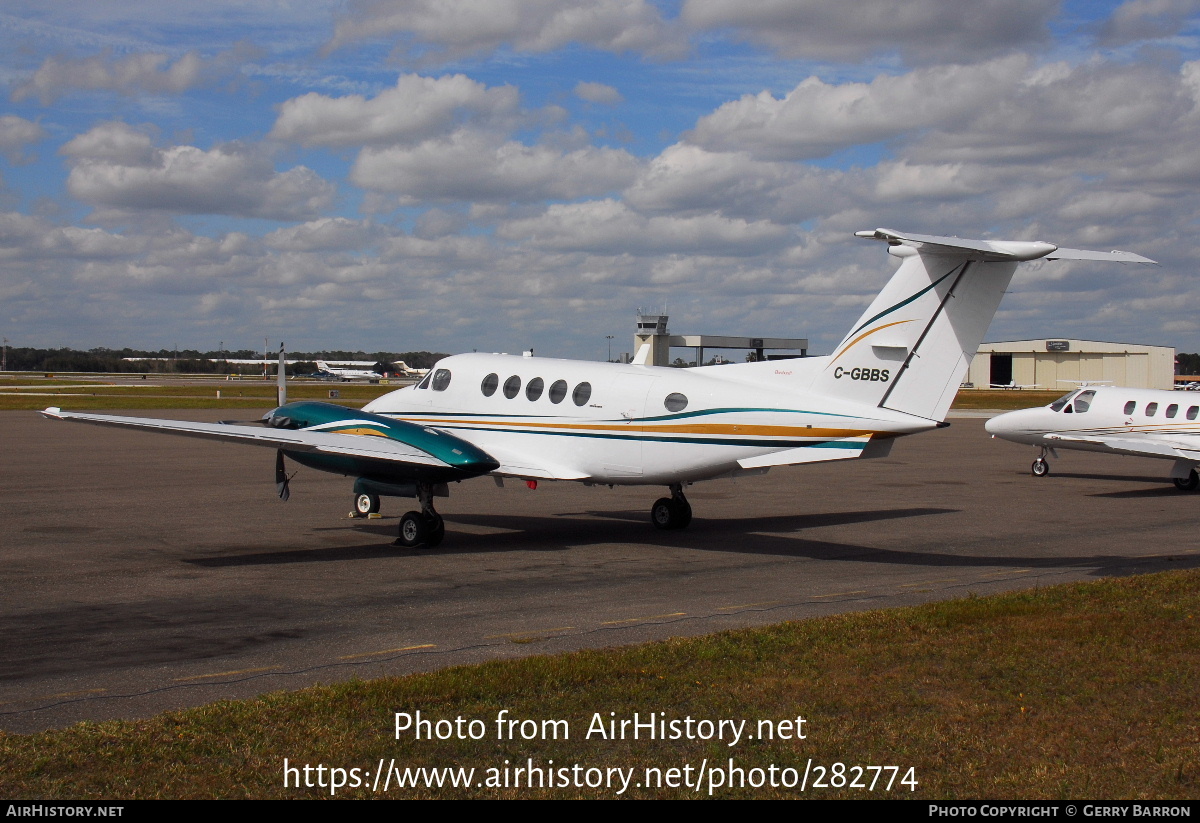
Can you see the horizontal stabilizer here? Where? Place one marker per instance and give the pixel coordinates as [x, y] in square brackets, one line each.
[996, 251]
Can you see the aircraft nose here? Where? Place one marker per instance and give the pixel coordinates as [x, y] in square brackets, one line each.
[1013, 425]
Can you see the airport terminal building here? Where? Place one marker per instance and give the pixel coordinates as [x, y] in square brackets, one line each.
[1050, 363]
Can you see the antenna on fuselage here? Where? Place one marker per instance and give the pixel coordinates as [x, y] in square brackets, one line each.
[281, 380]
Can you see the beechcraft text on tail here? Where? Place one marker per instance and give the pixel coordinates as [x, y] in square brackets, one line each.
[1113, 420]
[537, 419]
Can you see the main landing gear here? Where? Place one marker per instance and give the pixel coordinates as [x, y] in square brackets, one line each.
[1189, 483]
[672, 512]
[425, 527]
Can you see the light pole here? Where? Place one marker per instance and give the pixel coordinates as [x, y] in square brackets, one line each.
[609, 338]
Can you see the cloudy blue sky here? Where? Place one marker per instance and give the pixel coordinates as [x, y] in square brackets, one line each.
[499, 174]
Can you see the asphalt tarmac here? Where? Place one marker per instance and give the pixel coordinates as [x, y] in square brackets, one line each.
[142, 572]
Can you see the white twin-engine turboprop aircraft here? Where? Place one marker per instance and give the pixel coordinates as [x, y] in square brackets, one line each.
[1138, 422]
[895, 373]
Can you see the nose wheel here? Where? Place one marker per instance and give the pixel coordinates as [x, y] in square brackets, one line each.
[1040, 467]
[365, 504]
[672, 512]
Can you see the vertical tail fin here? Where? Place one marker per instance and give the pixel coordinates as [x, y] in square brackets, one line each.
[911, 349]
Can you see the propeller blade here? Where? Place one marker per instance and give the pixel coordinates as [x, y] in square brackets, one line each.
[281, 477]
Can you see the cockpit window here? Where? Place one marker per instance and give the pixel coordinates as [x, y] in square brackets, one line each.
[441, 379]
[1058, 404]
[1084, 401]
[424, 384]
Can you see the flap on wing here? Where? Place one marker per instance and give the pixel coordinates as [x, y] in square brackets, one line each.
[520, 465]
[817, 453]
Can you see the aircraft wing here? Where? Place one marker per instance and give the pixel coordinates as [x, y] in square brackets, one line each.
[519, 465]
[296, 440]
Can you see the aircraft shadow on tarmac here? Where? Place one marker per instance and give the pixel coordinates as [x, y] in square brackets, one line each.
[759, 536]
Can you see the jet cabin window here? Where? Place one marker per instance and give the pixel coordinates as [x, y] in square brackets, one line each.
[511, 386]
[558, 390]
[1191, 412]
[1172, 410]
[489, 384]
[1151, 409]
[1130, 407]
[441, 379]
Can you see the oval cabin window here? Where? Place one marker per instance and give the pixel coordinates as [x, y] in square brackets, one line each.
[675, 402]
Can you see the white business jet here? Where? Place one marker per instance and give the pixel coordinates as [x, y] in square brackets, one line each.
[346, 375]
[537, 419]
[1139, 422]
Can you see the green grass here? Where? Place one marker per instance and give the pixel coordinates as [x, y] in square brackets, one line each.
[1005, 400]
[1077, 691]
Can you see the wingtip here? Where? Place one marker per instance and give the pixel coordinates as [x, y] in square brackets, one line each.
[53, 412]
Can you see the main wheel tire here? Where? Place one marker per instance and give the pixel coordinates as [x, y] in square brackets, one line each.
[365, 504]
[662, 513]
[435, 531]
[1190, 483]
[413, 530]
[683, 514]
[1040, 468]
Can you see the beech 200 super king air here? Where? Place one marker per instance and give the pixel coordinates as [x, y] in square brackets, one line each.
[1138, 422]
[895, 373]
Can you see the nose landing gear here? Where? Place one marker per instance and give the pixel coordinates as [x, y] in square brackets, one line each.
[425, 527]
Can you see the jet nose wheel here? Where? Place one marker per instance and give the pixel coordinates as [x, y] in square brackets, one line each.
[365, 504]
[1189, 483]
[1040, 468]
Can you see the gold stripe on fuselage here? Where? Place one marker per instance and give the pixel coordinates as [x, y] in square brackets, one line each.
[740, 429]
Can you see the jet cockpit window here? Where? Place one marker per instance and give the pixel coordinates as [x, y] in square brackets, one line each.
[534, 390]
[1151, 409]
[1191, 412]
[511, 386]
[489, 384]
[582, 394]
[1084, 401]
[1172, 410]
[441, 379]
[1058, 404]
[675, 402]
[424, 384]
[558, 390]
[1131, 407]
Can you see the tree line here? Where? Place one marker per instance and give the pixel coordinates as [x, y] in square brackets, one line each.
[191, 361]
